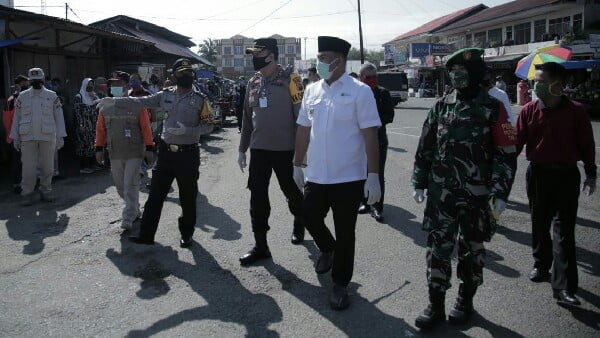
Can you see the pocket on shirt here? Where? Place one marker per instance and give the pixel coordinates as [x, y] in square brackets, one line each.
[344, 109]
[48, 125]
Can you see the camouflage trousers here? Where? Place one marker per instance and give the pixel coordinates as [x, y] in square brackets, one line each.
[440, 246]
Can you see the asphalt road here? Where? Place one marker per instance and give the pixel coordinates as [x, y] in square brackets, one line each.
[67, 271]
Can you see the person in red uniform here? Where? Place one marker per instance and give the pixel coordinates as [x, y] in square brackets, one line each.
[557, 133]
[21, 83]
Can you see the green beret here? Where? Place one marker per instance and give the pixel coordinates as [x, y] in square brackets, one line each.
[464, 55]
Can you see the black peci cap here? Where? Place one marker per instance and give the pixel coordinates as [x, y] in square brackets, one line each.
[333, 44]
[262, 44]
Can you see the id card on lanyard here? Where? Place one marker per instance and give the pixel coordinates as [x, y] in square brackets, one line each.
[262, 100]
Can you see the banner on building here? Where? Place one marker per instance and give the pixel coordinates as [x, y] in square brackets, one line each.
[389, 51]
[419, 50]
[440, 49]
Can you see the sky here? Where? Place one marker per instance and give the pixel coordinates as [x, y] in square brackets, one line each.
[382, 20]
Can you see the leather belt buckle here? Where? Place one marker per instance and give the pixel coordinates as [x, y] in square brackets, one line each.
[173, 148]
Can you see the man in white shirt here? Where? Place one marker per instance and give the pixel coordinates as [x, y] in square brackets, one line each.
[339, 119]
[498, 94]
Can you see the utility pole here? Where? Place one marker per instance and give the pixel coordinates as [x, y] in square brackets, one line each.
[305, 48]
[362, 52]
[66, 11]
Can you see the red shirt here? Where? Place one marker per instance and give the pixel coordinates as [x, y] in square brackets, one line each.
[557, 135]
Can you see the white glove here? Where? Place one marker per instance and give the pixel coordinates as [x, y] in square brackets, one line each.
[105, 103]
[17, 145]
[499, 207]
[419, 195]
[590, 184]
[177, 131]
[372, 189]
[299, 177]
[242, 161]
[60, 142]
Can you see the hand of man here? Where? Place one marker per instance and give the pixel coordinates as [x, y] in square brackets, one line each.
[299, 177]
[177, 131]
[372, 189]
[100, 157]
[105, 103]
[17, 145]
[499, 207]
[419, 195]
[242, 161]
[590, 184]
[60, 143]
[149, 157]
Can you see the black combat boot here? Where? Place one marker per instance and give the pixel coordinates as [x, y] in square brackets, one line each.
[463, 307]
[298, 233]
[259, 251]
[435, 312]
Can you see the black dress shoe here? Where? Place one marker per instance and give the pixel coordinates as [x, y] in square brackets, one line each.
[186, 243]
[566, 297]
[324, 263]
[298, 236]
[376, 214]
[338, 300]
[255, 255]
[538, 275]
[364, 209]
[140, 240]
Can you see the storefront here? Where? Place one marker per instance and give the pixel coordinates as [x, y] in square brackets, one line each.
[583, 84]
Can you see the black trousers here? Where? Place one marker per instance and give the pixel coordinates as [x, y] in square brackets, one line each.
[553, 200]
[183, 167]
[15, 165]
[262, 165]
[343, 199]
[383, 147]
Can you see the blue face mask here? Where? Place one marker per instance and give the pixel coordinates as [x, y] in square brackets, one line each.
[323, 70]
[134, 84]
[117, 91]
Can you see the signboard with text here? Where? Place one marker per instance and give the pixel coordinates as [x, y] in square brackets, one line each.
[594, 40]
[419, 50]
[440, 49]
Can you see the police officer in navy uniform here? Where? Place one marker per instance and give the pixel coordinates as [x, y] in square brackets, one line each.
[178, 153]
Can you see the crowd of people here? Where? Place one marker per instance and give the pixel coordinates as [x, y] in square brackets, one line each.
[325, 139]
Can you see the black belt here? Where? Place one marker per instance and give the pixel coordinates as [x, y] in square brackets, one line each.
[554, 166]
[175, 148]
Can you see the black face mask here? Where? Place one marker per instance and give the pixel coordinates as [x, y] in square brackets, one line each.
[486, 82]
[185, 81]
[24, 88]
[37, 84]
[260, 62]
[89, 89]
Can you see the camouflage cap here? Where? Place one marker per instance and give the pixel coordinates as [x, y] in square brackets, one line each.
[465, 55]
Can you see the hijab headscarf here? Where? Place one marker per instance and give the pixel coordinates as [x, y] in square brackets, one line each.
[87, 98]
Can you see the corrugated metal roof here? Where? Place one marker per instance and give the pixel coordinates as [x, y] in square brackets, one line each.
[498, 12]
[168, 46]
[440, 22]
[8, 13]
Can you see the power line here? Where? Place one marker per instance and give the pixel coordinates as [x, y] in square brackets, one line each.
[266, 16]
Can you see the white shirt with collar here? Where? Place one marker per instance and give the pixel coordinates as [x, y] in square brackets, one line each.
[336, 114]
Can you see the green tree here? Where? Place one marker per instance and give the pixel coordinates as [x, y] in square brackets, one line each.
[208, 50]
[373, 56]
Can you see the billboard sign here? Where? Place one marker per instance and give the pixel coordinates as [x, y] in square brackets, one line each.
[419, 50]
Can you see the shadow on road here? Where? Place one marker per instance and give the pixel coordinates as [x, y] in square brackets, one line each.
[228, 300]
[41, 220]
[210, 216]
[405, 222]
[396, 149]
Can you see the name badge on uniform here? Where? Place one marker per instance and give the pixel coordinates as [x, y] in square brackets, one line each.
[262, 101]
[127, 132]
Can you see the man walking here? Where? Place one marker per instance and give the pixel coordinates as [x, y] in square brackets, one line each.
[178, 153]
[37, 131]
[270, 110]
[385, 108]
[557, 134]
[127, 136]
[466, 159]
[339, 120]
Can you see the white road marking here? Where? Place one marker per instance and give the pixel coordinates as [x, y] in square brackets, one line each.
[403, 134]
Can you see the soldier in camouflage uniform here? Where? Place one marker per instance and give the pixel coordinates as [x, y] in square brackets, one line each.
[466, 160]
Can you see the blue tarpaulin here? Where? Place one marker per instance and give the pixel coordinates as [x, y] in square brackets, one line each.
[5, 43]
[583, 64]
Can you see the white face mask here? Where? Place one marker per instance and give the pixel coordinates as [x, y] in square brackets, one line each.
[117, 91]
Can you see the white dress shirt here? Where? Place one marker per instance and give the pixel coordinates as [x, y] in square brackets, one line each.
[501, 95]
[336, 115]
